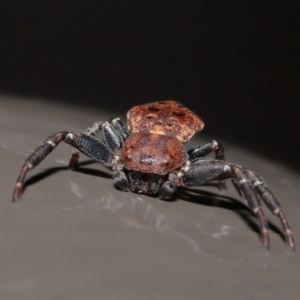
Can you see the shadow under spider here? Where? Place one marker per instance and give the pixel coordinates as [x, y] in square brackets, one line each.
[80, 169]
[212, 199]
[187, 194]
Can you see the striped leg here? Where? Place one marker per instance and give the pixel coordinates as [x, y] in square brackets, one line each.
[114, 135]
[246, 188]
[248, 184]
[207, 148]
[88, 145]
[274, 206]
[91, 131]
[202, 151]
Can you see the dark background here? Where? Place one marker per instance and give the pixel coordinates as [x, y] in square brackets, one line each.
[234, 63]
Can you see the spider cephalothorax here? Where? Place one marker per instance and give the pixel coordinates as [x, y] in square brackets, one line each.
[150, 158]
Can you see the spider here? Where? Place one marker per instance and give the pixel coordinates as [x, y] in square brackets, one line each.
[150, 158]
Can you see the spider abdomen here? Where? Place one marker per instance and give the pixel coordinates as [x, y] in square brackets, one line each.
[153, 153]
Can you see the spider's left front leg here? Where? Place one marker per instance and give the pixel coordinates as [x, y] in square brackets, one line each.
[250, 185]
[90, 131]
[88, 145]
[114, 136]
[114, 133]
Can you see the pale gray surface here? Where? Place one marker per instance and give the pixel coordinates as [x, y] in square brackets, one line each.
[74, 236]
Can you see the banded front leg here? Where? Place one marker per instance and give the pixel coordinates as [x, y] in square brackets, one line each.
[88, 145]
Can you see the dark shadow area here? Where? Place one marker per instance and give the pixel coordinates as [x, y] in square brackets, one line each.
[52, 171]
[221, 201]
[187, 194]
[234, 63]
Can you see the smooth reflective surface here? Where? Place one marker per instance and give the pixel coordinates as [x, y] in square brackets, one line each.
[74, 236]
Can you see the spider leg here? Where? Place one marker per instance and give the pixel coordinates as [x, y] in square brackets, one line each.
[203, 150]
[237, 186]
[249, 184]
[167, 189]
[121, 181]
[114, 136]
[274, 206]
[120, 128]
[91, 131]
[88, 145]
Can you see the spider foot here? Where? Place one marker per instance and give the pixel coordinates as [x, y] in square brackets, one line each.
[17, 192]
[222, 185]
[289, 238]
[73, 160]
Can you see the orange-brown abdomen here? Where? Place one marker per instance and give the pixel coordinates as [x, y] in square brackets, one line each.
[153, 153]
[168, 118]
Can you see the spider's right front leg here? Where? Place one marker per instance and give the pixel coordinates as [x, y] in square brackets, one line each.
[88, 145]
[249, 184]
[200, 152]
